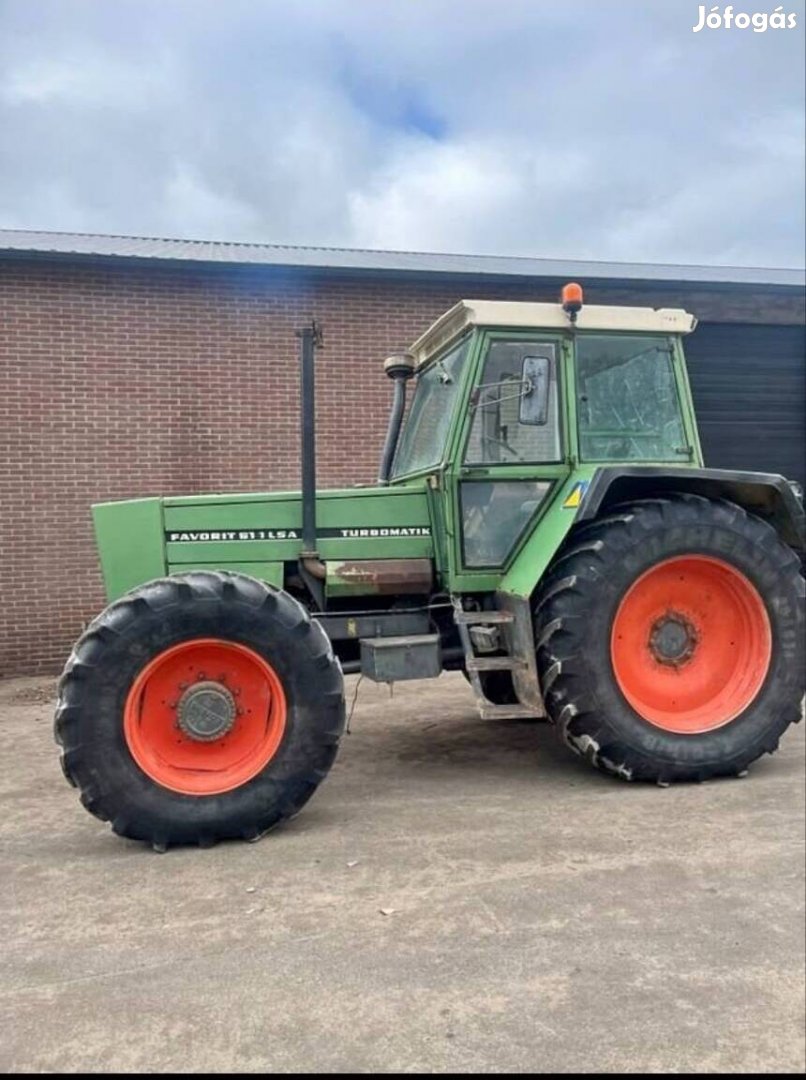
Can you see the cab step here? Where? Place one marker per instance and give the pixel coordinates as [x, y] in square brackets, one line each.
[473, 635]
[509, 712]
[473, 618]
[493, 663]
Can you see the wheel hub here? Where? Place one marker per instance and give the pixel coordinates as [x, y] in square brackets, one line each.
[672, 639]
[206, 711]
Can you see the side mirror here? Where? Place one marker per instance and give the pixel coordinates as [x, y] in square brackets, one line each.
[534, 402]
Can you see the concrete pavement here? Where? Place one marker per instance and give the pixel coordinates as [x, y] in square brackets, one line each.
[459, 895]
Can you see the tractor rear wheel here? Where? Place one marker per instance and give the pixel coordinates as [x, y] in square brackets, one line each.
[670, 639]
[199, 707]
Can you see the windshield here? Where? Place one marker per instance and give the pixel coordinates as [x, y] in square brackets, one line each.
[422, 442]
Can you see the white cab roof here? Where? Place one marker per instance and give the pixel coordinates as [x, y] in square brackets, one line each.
[514, 315]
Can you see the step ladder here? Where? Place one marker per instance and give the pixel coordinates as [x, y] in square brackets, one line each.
[476, 664]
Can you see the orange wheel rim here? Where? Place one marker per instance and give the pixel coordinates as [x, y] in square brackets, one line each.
[691, 644]
[205, 716]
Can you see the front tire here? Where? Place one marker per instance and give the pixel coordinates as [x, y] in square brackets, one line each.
[670, 639]
[199, 707]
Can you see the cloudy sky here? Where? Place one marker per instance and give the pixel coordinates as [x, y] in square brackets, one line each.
[601, 129]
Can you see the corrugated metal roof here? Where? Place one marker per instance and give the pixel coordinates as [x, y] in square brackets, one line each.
[16, 242]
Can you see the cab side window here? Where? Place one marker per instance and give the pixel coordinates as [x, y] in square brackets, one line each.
[498, 434]
[628, 407]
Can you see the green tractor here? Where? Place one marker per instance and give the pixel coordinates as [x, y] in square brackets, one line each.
[542, 522]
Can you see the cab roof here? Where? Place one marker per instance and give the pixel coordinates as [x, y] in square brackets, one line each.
[515, 315]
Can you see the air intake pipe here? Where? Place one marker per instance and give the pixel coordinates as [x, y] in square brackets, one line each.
[400, 369]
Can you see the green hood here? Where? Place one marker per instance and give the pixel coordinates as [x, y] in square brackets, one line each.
[141, 539]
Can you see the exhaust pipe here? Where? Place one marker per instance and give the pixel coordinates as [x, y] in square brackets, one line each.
[400, 369]
[310, 564]
[310, 337]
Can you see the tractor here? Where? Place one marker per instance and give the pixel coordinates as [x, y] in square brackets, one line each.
[542, 521]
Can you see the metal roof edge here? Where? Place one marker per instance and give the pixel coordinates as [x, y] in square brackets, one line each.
[93, 247]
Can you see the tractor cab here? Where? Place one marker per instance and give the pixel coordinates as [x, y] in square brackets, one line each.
[512, 399]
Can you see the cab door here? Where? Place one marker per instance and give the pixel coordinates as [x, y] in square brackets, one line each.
[512, 452]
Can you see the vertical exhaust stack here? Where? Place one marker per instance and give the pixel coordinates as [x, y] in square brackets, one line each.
[400, 369]
[311, 567]
[310, 337]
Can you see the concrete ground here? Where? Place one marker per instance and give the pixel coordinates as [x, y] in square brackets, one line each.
[460, 895]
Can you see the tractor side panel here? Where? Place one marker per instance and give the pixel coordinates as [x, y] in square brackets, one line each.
[223, 533]
[356, 524]
[129, 537]
[142, 539]
[273, 573]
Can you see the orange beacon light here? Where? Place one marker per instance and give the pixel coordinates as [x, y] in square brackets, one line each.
[572, 300]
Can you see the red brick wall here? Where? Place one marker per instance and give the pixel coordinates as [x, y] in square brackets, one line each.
[129, 380]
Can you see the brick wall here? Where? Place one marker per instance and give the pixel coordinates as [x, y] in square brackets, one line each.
[133, 380]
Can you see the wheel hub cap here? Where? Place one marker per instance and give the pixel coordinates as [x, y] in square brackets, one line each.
[673, 639]
[206, 711]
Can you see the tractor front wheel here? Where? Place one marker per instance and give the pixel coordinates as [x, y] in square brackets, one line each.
[199, 707]
[670, 639]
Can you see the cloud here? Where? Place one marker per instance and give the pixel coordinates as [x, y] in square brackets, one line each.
[484, 193]
[718, 213]
[89, 82]
[600, 129]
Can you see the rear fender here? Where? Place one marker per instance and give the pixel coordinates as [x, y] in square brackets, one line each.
[767, 495]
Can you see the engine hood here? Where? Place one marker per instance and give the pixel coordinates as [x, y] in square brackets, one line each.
[256, 533]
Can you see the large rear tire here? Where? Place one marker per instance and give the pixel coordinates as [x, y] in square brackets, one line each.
[670, 640]
[199, 707]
